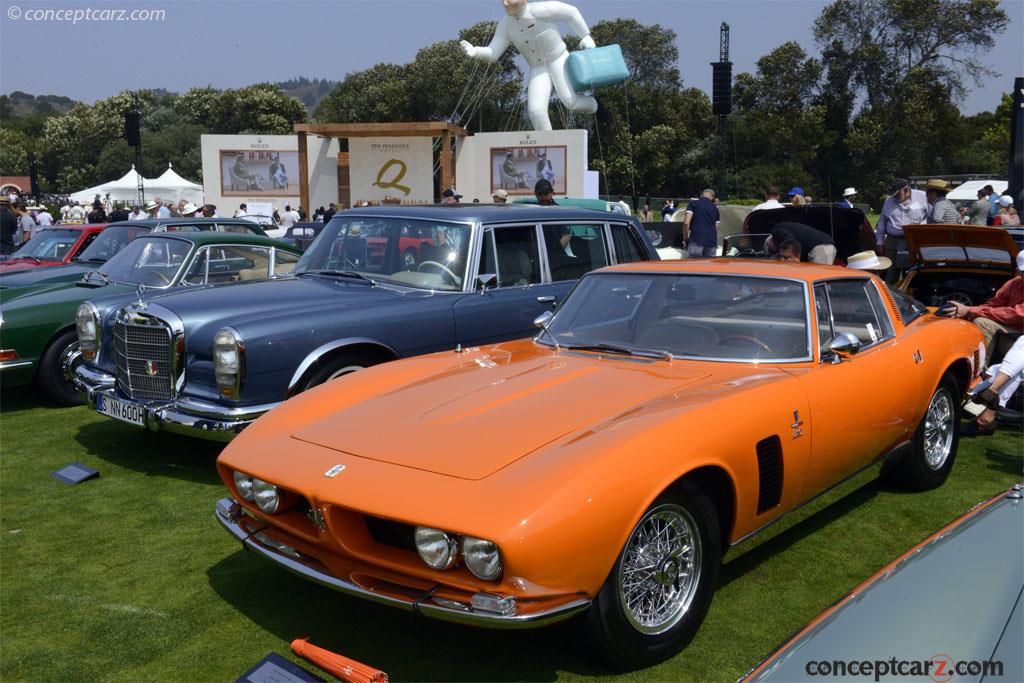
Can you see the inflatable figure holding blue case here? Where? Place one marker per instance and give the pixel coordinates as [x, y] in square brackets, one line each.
[532, 28]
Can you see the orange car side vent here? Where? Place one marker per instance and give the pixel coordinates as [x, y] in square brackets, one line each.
[769, 471]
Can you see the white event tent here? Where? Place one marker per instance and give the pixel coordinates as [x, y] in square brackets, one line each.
[169, 187]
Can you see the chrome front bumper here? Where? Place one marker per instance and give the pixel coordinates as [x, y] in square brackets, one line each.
[229, 514]
[187, 416]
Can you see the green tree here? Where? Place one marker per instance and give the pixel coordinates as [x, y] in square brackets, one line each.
[14, 152]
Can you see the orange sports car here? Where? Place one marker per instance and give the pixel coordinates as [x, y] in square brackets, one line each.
[666, 412]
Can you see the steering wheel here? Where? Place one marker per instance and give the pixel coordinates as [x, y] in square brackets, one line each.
[747, 338]
[440, 266]
[162, 279]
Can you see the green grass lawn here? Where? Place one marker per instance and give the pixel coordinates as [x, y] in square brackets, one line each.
[129, 577]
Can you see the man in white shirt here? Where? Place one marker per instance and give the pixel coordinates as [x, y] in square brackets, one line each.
[242, 211]
[903, 206]
[64, 211]
[290, 217]
[44, 217]
[137, 214]
[771, 199]
[533, 29]
[76, 212]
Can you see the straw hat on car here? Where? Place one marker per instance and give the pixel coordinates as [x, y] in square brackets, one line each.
[868, 260]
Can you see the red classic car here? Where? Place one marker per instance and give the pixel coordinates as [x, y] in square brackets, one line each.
[53, 246]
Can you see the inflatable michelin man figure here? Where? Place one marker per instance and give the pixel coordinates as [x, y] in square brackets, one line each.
[531, 27]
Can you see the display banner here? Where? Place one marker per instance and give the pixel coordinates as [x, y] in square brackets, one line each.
[391, 170]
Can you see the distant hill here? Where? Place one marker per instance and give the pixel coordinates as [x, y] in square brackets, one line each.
[19, 104]
[308, 91]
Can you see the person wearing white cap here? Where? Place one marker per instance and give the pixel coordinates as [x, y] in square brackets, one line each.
[848, 195]
[1007, 213]
[499, 196]
[869, 261]
[152, 208]
[1004, 312]
[189, 210]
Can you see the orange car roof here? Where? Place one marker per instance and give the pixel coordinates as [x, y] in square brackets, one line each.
[739, 266]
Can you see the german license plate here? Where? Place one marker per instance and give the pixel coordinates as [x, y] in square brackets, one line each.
[119, 410]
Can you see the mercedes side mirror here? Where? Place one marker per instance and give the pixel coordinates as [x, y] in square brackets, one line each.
[842, 346]
[485, 280]
[542, 320]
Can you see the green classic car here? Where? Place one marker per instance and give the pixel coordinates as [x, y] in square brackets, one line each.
[38, 340]
[114, 238]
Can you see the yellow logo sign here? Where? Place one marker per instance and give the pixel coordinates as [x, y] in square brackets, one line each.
[394, 182]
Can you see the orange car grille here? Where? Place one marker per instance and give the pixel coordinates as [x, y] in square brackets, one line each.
[390, 533]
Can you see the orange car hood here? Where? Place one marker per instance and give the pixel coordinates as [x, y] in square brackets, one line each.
[470, 421]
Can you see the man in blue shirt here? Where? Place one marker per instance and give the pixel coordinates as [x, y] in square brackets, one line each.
[700, 226]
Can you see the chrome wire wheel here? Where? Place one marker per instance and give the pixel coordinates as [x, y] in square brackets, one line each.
[660, 569]
[938, 429]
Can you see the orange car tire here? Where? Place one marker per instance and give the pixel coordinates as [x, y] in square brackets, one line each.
[612, 627]
[933, 447]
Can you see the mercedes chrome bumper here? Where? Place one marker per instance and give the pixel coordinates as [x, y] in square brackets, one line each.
[230, 516]
[187, 416]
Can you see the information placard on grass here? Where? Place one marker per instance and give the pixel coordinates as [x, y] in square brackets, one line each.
[276, 669]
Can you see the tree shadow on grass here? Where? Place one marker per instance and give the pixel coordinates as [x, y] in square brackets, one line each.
[812, 519]
[405, 645]
[160, 455]
[1005, 462]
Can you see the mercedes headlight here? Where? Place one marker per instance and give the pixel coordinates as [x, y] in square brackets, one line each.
[243, 483]
[228, 362]
[483, 558]
[266, 496]
[437, 549]
[87, 324]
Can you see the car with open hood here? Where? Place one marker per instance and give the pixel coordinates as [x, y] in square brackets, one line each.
[376, 285]
[38, 337]
[949, 608]
[55, 246]
[966, 264]
[848, 228]
[113, 238]
[602, 468]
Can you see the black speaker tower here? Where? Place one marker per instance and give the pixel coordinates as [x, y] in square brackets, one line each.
[133, 134]
[721, 103]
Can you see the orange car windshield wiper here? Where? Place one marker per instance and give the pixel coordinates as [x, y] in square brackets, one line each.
[625, 350]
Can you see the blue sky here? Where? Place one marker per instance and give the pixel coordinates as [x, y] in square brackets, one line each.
[230, 43]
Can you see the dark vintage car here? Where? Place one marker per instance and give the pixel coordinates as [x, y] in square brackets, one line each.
[114, 238]
[302, 235]
[38, 341]
[479, 274]
[966, 264]
[949, 608]
[849, 228]
[56, 246]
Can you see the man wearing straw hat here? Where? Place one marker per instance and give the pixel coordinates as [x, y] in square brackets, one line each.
[848, 195]
[942, 210]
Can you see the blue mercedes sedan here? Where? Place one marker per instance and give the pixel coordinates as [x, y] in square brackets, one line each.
[377, 284]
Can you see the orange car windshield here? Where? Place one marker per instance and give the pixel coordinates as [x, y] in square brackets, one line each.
[713, 317]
